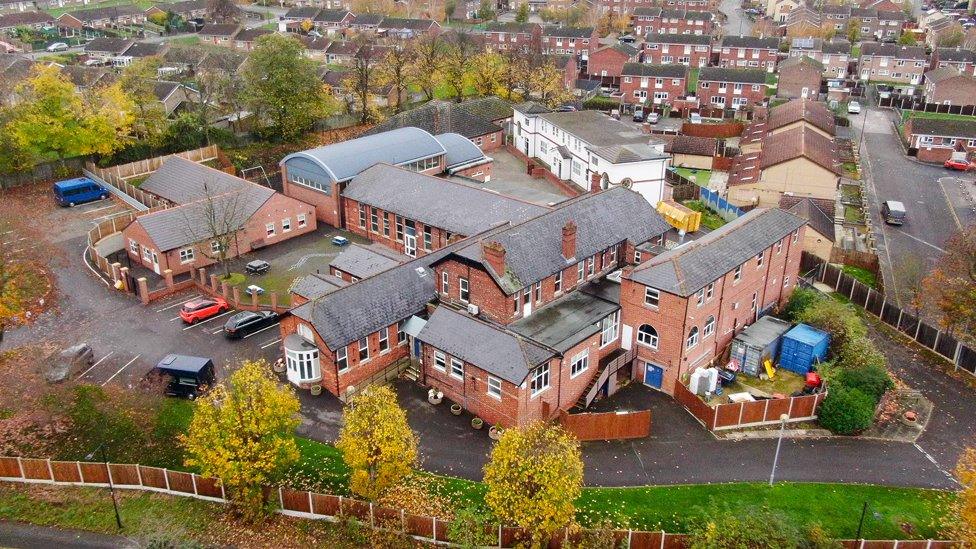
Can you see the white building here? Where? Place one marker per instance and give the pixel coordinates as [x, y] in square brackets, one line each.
[575, 146]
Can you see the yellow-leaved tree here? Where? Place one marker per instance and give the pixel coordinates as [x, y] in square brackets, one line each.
[242, 433]
[376, 442]
[534, 476]
[961, 522]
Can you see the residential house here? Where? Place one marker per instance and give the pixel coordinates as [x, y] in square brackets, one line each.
[177, 240]
[481, 120]
[779, 10]
[797, 113]
[366, 22]
[653, 84]
[182, 59]
[173, 95]
[891, 23]
[950, 87]
[683, 307]
[937, 26]
[102, 18]
[592, 151]
[799, 78]
[357, 262]
[141, 50]
[731, 88]
[936, 139]
[408, 28]
[748, 52]
[246, 39]
[28, 19]
[14, 69]
[221, 62]
[672, 21]
[820, 234]
[108, 50]
[221, 34]
[315, 47]
[301, 13]
[333, 21]
[341, 53]
[523, 37]
[568, 41]
[186, 9]
[684, 49]
[833, 54]
[88, 78]
[689, 151]
[803, 22]
[892, 63]
[607, 62]
[962, 59]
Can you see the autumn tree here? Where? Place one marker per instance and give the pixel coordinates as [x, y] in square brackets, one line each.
[907, 38]
[854, 30]
[364, 77]
[426, 65]
[376, 442]
[486, 10]
[394, 69]
[487, 69]
[534, 476]
[950, 289]
[281, 85]
[910, 273]
[139, 82]
[458, 62]
[544, 83]
[961, 521]
[242, 433]
[951, 37]
[50, 118]
[514, 66]
[522, 15]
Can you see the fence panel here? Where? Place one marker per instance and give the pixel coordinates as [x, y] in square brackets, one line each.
[753, 412]
[946, 346]
[36, 469]
[440, 530]
[645, 540]
[804, 406]
[695, 405]
[66, 471]
[875, 303]
[831, 276]
[209, 487]
[890, 315]
[94, 473]
[325, 505]
[608, 425]
[356, 508]
[967, 359]
[727, 415]
[180, 482]
[908, 324]
[860, 295]
[153, 477]
[674, 541]
[777, 407]
[845, 286]
[417, 525]
[295, 500]
[9, 468]
[126, 475]
[927, 335]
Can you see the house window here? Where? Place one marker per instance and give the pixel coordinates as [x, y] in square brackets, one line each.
[286, 224]
[465, 295]
[558, 282]
[651, 297]
[342, 361]
[647, 335]
[738, 274]
[440, 361]
[495, 387]
[538, 291]
[364, 349]
[362, 216]
[399, 228]
[540, 379]
[133, 246]
[270, 229]
[374, 220]
[755, 300]
[692, 338]
[589, 267]
[637, 256]
[709, 326]
[579, 363]
[608, 329]
[401, 335]
[386, 225]
[786, 282]
[427, 238]
[700, 297]
[445, 282]
[457, 368]
[518, 303]
[709, 291]
[384, 340]
[305, 364]
[302, 220]
[779, 247]
[759, 259]
[796, 235]
[579, 272]
[186, 255]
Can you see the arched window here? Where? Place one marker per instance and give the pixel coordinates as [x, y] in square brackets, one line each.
[647, 335]
[692, 338]
[709, 326]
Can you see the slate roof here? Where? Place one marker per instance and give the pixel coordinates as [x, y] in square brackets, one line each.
[315, 285]
[460, 151]
[185, 6]
[893, 50]
[719, 74]
[533, 249]
[183, 55]
[937, 75]
[222, 61]
[656, 71]
[302, 12]
[397, 23]
[691, 15]
[250, 35]
[568, 32]
[163, 89]
[368, 19]
[108, 45]
[85, 77]
[25, 18]
[182, 181]
[331, 16]
[771, 43]
[624, 49]
[596, 128]
[492, 348]
[690, 144]
[806, 44]
[837, 46]
[668, 38]
[437, 202]
[222, 29]
[623, 154]
[648, 12]
[685, 270]
[569, 320]
[340, 47]
[945, 128]
[958, 55]
[510, 27]
[470, 118]
[145, 49]
[96, 14]
[818, 219]
[362, 262]
[531, 107]
[343, 161]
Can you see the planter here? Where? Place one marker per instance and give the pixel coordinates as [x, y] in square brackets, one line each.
[279, 366]
[434, 397]
[456, 409]
[495, 432]
[477, 422]
[434, 400]
[316, 390]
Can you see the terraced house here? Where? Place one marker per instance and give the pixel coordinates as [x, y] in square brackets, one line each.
[748, 52]
[892, 63]
[672, 21]
[682, 49]
[523, 37]
[653, 84]
[731, 88]
[568, 41]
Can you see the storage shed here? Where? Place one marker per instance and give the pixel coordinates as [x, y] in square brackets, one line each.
[757, 343]
[803, 346]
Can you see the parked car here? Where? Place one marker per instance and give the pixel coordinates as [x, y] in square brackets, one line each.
[78, 191]
[248, 322]
[254, 289]
[638, 113]
[340, 241]
[202, 308]
[853, 107]
[57, 46]
[653, 118]
[959, 165]
[256, 267]
[69, 362]
[893, 212]
[185, 376]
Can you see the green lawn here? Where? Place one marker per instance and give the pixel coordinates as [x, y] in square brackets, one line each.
[693, 80]
[853, 214]
[710, 219]
[863, 275]
[905, 115]
[701, 177]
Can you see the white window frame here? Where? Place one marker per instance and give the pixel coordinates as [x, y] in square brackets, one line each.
[609, 329]
[302, 220]
[737, 274]
[579, 363]
[342, 359]
[457, 368]
[652, 340]
[269, 230]
[286, 225]
[494, 387]
[709, 327]
[440, 361]
[362, 349]
[187, 255]
[464, 291]
[133, 246]
[384, 339]
[557, 283]
[652, 297]
[540, 379]
[692, 339]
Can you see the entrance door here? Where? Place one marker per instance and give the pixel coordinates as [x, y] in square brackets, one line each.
[416, 347]
[155, 262]
[653, 375]
[410, 245]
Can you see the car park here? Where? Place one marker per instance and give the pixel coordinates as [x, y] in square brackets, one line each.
[959, 165]
[202, 308]
[185, 376]
[254, 289]
[79, 190]
[257, 267]
[340, 241]
[853, 107]
[653, 118]
[245, 323]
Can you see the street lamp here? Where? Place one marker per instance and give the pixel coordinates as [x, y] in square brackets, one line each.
[111, 487]
[782, 427]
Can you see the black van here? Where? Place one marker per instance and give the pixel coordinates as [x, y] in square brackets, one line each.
[188, 376]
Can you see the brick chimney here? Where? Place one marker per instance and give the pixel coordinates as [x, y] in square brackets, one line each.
[494, 254]
[596, 181]
[569, 240]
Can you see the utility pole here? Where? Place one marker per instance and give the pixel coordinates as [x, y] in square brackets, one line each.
[779, 443]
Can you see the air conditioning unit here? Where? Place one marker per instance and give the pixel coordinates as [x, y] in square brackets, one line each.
[472, 309]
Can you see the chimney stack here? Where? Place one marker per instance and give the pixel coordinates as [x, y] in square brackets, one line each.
[569, 240]
[494, 254]
[596, 182]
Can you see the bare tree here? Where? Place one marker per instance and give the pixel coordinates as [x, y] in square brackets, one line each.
[363, 77]
[214, 223]
[394, 70]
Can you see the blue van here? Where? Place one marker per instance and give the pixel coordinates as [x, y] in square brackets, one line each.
[78, 191]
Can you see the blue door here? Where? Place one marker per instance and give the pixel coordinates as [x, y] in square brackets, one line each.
[416, 347]
[653, 375]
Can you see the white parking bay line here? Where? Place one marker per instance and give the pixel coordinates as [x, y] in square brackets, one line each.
[191, 326]
[95, 364]
[275, 342]
[217, 331]
[259, 331]
[120, 370]
[100, 209]
[177, 304]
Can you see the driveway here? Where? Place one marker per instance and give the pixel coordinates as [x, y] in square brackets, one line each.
[736, 22]
[925, 191]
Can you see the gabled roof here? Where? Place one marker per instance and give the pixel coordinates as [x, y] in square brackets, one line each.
[669, 38]
[145, 49]
[511, 27]
[163, 89]
[944, 127]
[25, 18]
[807, 44]
[802, 61]
[315, 285]
[85, 77]
[331, 16]
[437, 202]
[96, 14]
[796, 143]
[943, 73]
[220, 29]
[470, 118]
[302, 12]
[595, 128]
[656, 71]
[533, 249]
[531, 107]
[460, 151]
[837, 46]
[364, 262]
[686, 269]
[368, 19]
[893, 50]
[958, 55]
[182, 181]
[756, 42]
[494, 349]
[691, 15]
[814, 112]
[690, 144]
[568, 32]
[648, 12]
[818, 219]
[623, 49]
[622, 154]
[250, 35]
[109, 45]
[718, 74]
[223, 60]
[340, 47]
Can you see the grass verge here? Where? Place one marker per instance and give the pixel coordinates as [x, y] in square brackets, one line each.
[863, 275]
[710, 219]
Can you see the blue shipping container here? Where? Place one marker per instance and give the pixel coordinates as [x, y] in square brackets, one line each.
[802, 347]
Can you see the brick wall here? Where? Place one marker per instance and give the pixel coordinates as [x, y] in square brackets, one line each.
[666, 54]
[755, 94]
[674, 87]
[750, 58]
[326, 206]
[607, 59]
[386, 232]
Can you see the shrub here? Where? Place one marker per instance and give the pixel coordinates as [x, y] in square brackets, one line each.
[470, 528]
[837, 319]
[601, 103]
[870, 380]
[800, 300]
[861, 353]
[846, 411]
[727, 529]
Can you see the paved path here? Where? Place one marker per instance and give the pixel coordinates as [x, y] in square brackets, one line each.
[30, 536]
[737, 22]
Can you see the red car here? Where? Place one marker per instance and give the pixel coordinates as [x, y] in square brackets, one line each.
[202, 308]
[958, 165]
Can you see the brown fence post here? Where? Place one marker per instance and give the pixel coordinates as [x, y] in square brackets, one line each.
[124, 274]
[143, 290]
[168, 275]
[237, 296]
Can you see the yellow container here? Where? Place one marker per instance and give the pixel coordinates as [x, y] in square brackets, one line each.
[679, 216]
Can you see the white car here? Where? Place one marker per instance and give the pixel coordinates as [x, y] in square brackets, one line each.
[57, 46]
[853, 107]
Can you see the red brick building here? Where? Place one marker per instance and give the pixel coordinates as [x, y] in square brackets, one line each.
[523, 37]
[653, 84]
[672, 21]
[683, 49]
[748, 52]
[731, 88]
[962, 59]
[568, 40]
[606, 63]
[948, 86]
[180, 238]
[799, 78]
[685, 306]
[936, 140]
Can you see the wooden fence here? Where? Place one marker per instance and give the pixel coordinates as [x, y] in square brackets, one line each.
[305, 504]
[45, 172]
[944, 344]
[736, 415]
[918, 103]
[607, 370]
[608, 425]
